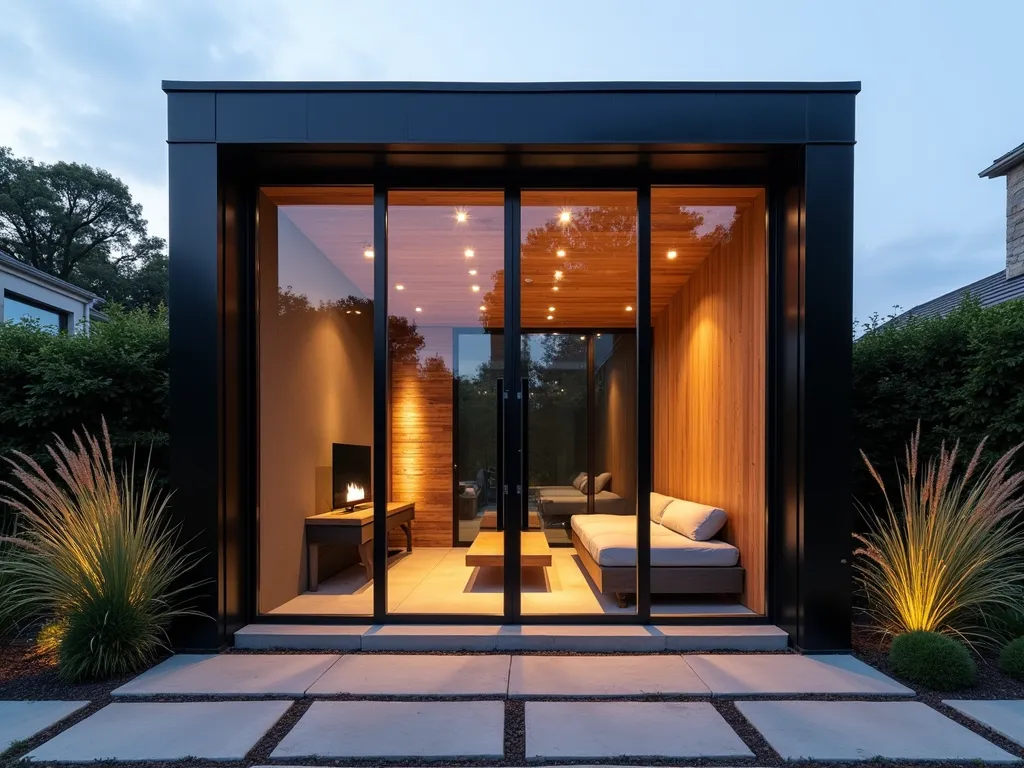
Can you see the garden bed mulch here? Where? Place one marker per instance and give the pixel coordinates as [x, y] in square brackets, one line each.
[25, 674]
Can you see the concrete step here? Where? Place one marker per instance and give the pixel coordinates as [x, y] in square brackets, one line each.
[592, 639]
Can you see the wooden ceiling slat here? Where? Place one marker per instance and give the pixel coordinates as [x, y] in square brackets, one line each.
[599, 269]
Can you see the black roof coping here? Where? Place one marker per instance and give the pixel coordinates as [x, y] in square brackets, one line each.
[1002, 165]
[611, 87]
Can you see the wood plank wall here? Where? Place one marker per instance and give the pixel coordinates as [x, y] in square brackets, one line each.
[709, 392]
[421, 447]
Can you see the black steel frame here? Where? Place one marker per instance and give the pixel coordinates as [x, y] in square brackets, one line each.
[796, 140]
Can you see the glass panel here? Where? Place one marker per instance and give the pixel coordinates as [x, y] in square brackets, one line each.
[18, 311]
[578, 263]
[479, 362]
[445, 259]
[557, 437]
[708, 310]
[315, 255]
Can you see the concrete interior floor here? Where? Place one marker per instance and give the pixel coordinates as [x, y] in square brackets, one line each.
[437, 580]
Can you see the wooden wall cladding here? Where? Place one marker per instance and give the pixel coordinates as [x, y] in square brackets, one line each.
[709, 392]
[421, 447]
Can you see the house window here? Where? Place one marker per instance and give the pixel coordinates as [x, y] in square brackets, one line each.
[18, 309]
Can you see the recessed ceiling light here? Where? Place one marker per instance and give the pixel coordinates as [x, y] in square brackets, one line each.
[554, 288]
[419, 309]
[399, 287]
[461, 215]
[483, 308]
[583, 338]
[672, 254]
[560, 253]
[629, 309]
[551, 317]
[475, 288]
[472, 271]
[348, 311]
[565, 215]
[551, 309]
[368, 253]
[558, 274]
[358, 312]
[468, 253]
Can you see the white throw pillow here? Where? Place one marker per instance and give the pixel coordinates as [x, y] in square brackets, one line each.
[694, 521]
[601, 481]
[658, 504]
[580, 478]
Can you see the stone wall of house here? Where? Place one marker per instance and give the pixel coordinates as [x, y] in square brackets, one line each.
[1015, 222]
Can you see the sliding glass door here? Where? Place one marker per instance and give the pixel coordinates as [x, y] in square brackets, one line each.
[577, 297]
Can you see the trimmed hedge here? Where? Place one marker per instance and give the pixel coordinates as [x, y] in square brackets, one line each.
[57, 383]
[961, 376]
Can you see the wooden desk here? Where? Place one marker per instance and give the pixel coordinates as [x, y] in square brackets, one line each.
[356, 528]
[488, 549]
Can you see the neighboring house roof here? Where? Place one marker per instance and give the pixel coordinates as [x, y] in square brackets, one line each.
[10, 264]
[1002, 165]
[989, 291]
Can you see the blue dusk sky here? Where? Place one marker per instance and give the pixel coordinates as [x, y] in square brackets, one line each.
[942, 89]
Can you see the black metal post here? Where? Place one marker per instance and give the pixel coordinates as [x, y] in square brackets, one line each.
[515, 483]
[381, 464]
[644, 411]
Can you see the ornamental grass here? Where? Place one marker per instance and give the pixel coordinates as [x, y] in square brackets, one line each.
[950, 550]
[94, 558]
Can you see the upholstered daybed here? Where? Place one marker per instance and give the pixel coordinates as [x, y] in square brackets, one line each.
[557, 503]
[685, 558]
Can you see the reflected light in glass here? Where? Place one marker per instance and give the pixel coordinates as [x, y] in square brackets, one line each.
[475, 288]
[565, 215]
[368, 253]
[469, 253]
[461, 215]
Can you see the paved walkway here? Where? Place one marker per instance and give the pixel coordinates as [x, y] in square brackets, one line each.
[443, 707]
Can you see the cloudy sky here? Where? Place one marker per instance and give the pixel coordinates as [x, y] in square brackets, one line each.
[942, 90]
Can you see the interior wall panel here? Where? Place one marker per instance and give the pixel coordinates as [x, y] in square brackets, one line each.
[709, 392]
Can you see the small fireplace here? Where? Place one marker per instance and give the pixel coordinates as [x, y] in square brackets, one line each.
[351, 476]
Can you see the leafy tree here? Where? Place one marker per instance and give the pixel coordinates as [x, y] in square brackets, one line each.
[80, 224]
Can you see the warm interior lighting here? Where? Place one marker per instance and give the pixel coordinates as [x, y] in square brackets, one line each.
[558, 274]
[358, 312]
[551, 309]
[483, 308]
[475, 288]
[583, 338]
[565, 215]
[560, 253]
[469, 253]
[551, 317]
[672, 254]
[472, 271]
[354, 492]
[461, 215]
[419, 309]
[399, 287]
[554, 288]
[629, 309]
[368, 253]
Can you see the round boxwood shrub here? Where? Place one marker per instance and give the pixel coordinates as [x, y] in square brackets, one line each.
[933, 660]
[1011, 660]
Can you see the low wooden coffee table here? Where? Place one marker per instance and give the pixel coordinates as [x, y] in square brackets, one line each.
[488, 549]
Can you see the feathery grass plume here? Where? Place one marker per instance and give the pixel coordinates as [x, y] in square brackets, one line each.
[95, 556]
[952, 552]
